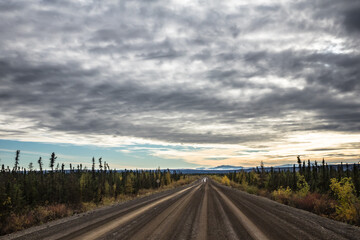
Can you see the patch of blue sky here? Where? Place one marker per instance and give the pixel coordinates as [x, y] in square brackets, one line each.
[255, 151]
[130, 156]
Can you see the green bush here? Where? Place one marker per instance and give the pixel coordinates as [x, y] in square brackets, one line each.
[303, 186]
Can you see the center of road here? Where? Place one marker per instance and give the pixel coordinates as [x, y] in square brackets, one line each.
[251, 228]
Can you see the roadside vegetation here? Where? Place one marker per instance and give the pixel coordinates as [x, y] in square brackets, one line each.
[330, 191]
[31, 197]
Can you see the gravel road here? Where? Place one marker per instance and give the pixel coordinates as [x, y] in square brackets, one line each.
[203, 210]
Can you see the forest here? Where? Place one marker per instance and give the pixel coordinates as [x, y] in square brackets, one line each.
[49, 190]
[328, 190]
[29, 197]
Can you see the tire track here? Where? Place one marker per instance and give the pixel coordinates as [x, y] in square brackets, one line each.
[202, 235]
[251, 228]
[160, 226]
[286, 222]
[98, 232]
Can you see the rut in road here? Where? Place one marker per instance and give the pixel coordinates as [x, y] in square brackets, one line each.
[203, 210]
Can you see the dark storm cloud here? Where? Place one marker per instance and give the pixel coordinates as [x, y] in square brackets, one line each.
[10, 6]
[75, 107]
[171, 73]
[352, 19]
[168, 54]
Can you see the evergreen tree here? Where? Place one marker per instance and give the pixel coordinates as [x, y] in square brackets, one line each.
[299, 162]
[100, 164]
[17, 157]
[40, 164]
[31, 166]
[52, 161]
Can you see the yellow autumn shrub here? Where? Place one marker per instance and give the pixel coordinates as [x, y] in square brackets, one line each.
[344, 190]
[282, 195]
[225, 180]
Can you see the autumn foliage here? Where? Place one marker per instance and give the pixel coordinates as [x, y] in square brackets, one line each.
[327, 190]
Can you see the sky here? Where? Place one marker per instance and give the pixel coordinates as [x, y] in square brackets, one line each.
[180, 84]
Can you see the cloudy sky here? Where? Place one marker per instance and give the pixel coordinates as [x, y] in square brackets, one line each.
[180, 83]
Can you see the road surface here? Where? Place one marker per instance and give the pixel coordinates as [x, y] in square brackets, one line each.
[203, 210]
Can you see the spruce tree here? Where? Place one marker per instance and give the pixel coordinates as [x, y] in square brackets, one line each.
[52, 161]
[299, 162]
[100, 164]
[40, 164]
[31, 166]
[17, 160]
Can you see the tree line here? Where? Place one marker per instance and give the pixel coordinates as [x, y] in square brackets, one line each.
[327, 190]
[22, 189]
[316, 176]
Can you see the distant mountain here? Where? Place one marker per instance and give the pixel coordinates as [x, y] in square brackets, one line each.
[204, 171]
[223, 169]
[227, 167]
[231, 167]
[286, 166]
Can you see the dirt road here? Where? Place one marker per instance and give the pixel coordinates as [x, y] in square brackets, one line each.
[203, 210]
